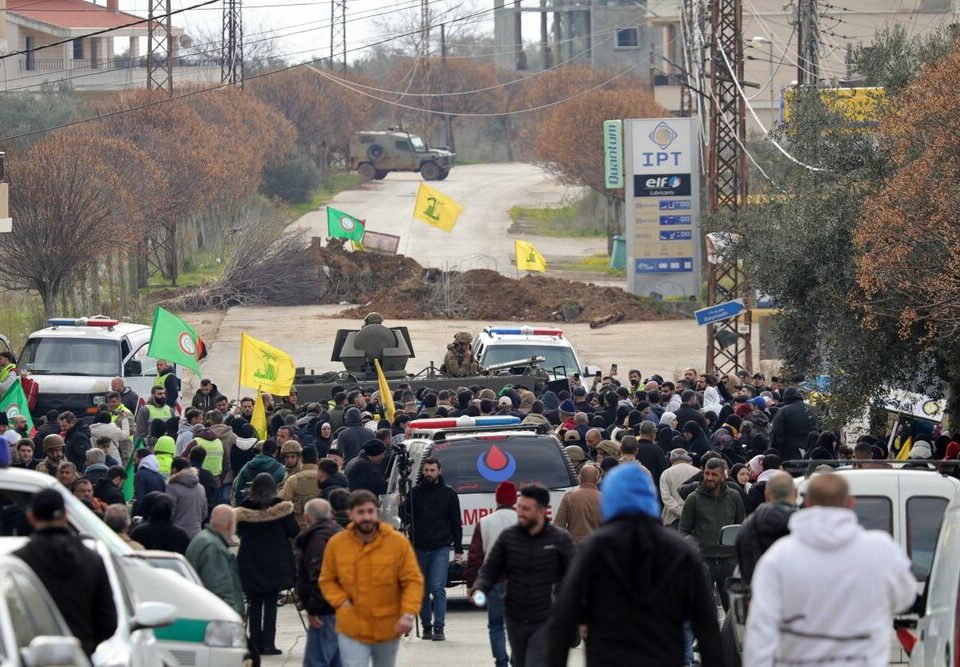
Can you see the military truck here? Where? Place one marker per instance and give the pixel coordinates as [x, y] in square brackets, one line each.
[374, 154]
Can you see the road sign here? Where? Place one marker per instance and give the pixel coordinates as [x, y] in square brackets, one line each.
[719, 312]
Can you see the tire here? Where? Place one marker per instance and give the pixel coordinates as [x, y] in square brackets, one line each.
[366, 171]
[375, 152]
[443, 174]
[381, 174]
[430, 171]
[728, 643]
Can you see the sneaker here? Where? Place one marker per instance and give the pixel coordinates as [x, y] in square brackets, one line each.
[426, 634]
[438, 636]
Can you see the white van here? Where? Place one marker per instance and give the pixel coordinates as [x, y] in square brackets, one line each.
[938, 630]
[476, 454]
[495, 346]
[73, 361]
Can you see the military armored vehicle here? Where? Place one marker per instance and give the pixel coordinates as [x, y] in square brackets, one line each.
[374, 154]
[357, 349]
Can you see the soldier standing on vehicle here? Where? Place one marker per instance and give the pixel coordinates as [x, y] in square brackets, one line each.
[459, 361]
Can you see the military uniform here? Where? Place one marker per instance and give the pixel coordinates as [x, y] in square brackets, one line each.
[457, 363]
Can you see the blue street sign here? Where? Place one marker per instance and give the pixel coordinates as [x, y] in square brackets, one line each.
[719, 312]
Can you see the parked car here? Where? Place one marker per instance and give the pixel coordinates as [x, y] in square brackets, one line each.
[938, 629]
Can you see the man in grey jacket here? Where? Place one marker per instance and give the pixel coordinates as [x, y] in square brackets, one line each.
[680, 471]
[209, 554]
[189, 498]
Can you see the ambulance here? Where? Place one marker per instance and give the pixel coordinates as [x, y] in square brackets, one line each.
[476, 454]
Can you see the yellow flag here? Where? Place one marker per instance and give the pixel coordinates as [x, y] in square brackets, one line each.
[528, 259]
[436, 208]
[264, 367]
[386, 396]
[259, 418]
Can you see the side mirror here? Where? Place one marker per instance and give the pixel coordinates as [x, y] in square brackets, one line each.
[153, 615]
[728, 534]
[133, 368]
[54, 651]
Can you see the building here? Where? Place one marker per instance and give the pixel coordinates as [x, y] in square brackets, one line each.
[86, 63]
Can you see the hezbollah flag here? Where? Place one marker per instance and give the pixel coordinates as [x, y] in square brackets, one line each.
[258, 420]
[386, 396]
[264, 367]
[14, 403]
[342, 225]
[175, 341]
[435, 208]
[528, 258]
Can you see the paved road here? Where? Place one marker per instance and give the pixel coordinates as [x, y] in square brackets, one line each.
[467, 642]
[480, 240]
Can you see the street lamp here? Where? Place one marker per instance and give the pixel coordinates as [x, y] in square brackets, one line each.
[760, 39]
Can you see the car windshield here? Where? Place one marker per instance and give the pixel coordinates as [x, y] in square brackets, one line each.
[418, 144]
[924, 517]
[477, 465]
[71, 356]
[554, 357]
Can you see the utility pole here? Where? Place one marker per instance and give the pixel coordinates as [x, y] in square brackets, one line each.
[159, 47]
[729, 343]
[231, 46]
[808, 43]
[425, 62]
[338, 34]
[447, 120]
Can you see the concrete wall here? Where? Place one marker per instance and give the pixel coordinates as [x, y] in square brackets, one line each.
[605, 22]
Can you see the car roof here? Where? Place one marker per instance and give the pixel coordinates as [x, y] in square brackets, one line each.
[910, 480]
[428, 434]
[540, 339]
[113, 333]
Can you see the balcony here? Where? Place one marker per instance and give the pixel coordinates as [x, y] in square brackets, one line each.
[33, 72]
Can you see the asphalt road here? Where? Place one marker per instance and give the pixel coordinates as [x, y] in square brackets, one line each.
[480, 239]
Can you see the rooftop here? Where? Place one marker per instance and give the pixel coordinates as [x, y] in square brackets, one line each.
[72, 14]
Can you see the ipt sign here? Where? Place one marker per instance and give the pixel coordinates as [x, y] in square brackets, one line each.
[664, 148]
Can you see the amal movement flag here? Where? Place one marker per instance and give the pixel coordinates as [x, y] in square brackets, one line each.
[264, 367]
[528, 258]
[14, 403]
[435, 208]
[342, 225]
[175, 341]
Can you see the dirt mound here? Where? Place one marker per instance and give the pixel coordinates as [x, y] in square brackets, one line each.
[399, 288]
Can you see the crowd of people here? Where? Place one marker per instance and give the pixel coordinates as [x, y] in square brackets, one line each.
[663, 465]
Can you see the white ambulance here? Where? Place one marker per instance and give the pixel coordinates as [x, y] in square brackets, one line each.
[476, 454]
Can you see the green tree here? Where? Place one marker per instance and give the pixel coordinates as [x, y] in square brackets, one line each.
[293, 181]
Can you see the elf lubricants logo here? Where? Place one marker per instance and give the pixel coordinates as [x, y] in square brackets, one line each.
[666, 185]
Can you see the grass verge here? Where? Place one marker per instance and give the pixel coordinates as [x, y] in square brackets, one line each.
[329, 188]
[598, 264]
[577, 219]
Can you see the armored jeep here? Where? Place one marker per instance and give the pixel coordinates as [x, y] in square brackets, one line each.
[374, 154]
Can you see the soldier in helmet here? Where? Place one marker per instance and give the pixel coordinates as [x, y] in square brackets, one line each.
[459, 361]
[373, 318]
[290, 455]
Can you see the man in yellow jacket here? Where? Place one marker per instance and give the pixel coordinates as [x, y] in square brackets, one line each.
[371, 577]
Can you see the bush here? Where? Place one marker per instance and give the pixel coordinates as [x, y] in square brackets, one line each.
[294, 181]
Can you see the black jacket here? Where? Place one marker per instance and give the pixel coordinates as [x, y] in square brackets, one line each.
[652, 583]
[337, 481]
[363, 473]
[205, 402]
[76, 443]
[50, 428]
[687, 413]
[312, 543]
[651, 456]
[791, 425]
[162, 535]
[265, 557]
[77, 581]
[758, 533]
[108, 493]
[533, 566]
[435, 521]
[355, 436]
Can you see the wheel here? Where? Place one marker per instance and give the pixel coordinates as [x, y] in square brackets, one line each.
[375, 152]
[367, 171]
[430, 171]
[443, 174]
[381, 174]
[728, 643]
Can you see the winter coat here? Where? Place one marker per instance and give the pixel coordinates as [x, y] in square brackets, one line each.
[652, 458]
[312, 543]
[210, 486]
[189, 501]
[761, 529]
[652, 583]
[265, 556]
[579, 512]
[146, 479]
[670, 482]
[159, 532]
[77, 580]
[354, 436]
[704, 514]
[108, 493]
[76, 443]
[210, 556]
[686, 413]
[112, 431]
[381, 579]
[791, 425]
[228, 439]
[362, 473]
[337, 481]
[700, 444]
[260, 463]
[793, 621]
[207, 401]
[300, 488]
[433, 514]
[534, 566]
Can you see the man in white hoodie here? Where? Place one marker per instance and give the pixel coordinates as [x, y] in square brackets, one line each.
[809, 603]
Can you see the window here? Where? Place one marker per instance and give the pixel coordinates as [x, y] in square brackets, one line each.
[554, 357]
[36, 603]
[943, 597]
[628, 38]
[78, 49]
[418, 144]
[874, 512]
[71, 356]
[402, 145]
[148, 364]
[19, 616]
[924, 517]
[28, 47]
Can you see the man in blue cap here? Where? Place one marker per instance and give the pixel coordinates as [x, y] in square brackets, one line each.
[634, 584]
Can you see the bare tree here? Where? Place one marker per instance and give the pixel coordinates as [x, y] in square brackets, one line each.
[261, 51]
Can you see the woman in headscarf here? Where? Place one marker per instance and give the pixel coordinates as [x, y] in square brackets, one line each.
[323, 440]
[265, 526]
[666, 431]
[711, 400]
[698, 443]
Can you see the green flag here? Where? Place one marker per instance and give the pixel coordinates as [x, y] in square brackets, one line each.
[175, 341]
[14, 403]
[341, 225]
[128, 482]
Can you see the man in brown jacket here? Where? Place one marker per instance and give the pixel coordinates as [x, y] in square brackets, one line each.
[579, 511]
[302, 486]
